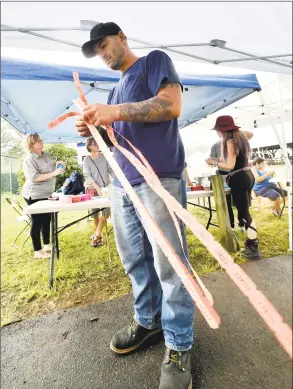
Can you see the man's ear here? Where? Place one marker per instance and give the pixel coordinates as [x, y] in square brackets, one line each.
[122, 37]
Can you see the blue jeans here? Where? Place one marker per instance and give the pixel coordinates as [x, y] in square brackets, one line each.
[160, 299]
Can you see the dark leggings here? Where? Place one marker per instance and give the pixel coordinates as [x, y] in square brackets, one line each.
[241, 185]
[40, 223]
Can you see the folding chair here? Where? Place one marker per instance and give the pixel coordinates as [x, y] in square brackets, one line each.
[260, 202]
[21, 217]
[283, 199]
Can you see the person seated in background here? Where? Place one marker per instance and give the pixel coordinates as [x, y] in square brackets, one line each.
[97, 173]
[216, 152]
[264, 187]
[40, 171]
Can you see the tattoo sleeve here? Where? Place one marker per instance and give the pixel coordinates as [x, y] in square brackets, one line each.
[156, 109]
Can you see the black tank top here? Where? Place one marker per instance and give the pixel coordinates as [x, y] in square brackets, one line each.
[241, 161]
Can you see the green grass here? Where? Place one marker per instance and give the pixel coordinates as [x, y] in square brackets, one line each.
[84, 275]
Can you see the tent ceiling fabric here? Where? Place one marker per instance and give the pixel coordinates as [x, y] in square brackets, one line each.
[257, 28]
[33, 94]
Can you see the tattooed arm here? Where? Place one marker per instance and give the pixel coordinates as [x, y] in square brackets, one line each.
[166, 105]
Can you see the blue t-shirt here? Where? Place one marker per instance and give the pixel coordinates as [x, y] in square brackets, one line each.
[260, 186]
[160, 143]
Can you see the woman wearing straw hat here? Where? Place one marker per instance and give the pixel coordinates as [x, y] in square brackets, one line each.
[235, 155]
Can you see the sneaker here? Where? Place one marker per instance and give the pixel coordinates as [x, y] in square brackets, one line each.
[131, 337]
[176, 370]
[47, 248]
[41, 255]
[251, 250]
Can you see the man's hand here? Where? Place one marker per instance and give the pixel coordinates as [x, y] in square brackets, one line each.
[81, 127]
[101, 114]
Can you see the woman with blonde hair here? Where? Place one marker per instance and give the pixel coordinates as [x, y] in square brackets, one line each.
[40, 171]
[235, 155]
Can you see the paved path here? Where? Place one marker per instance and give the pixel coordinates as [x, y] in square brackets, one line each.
[66, 350]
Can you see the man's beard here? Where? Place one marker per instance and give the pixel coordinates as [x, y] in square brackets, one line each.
[116, 65]
[118, 62]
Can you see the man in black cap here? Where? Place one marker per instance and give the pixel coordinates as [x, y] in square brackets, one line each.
[144, 107]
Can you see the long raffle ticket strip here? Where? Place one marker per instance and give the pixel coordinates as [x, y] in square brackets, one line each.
[195, 287]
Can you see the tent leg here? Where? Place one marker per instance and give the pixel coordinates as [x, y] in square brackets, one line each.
[288, 167]
[283, 146]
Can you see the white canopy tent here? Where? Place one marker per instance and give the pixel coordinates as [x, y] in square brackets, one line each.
[254, 35]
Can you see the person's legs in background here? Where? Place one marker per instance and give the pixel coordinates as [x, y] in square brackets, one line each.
[35, 232]
[46, 232]
[241, 184]
[275, 194]
[276, 204]
[99, 223]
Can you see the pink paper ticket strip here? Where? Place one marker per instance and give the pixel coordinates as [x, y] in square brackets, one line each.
[190, 284]
[192, 287]
[152, 179]
[265, 309]
[262, 305]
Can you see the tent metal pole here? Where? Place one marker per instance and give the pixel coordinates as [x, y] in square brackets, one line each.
[168, 47]
[165, 46]
[255, 57]
[172, 50]
[33, 29]
[50, 38]
[287, 165]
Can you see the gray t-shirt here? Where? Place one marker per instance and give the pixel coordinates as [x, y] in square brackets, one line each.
[97, 170]
[216, 152]
[33, 166]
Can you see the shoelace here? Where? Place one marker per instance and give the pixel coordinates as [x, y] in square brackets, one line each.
[174, 358]
[133, 325]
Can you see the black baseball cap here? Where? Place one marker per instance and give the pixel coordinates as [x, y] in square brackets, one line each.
[99, 32]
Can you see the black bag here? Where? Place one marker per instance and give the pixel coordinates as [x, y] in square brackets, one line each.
[74, 184]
